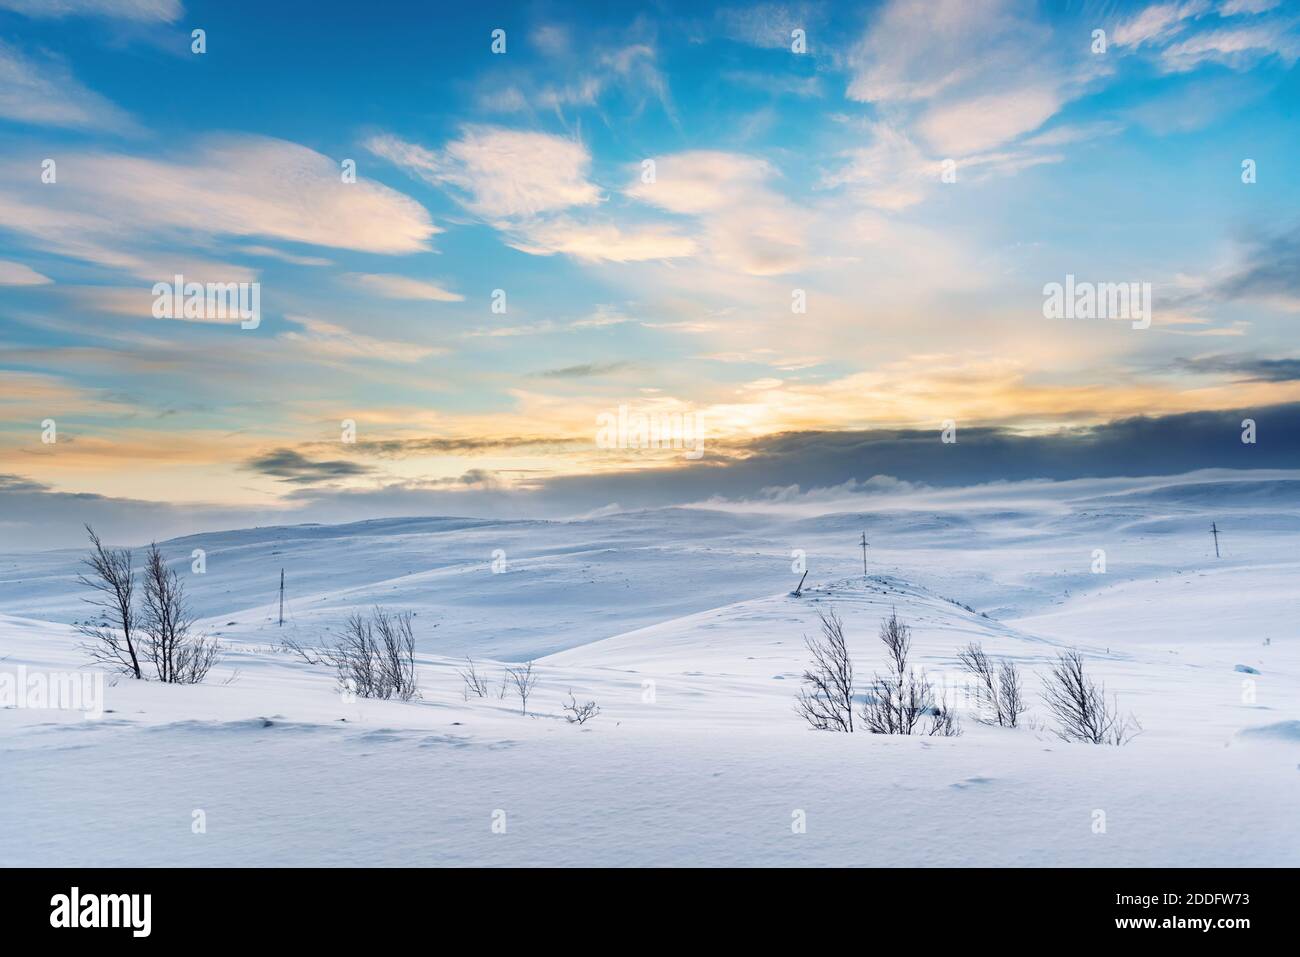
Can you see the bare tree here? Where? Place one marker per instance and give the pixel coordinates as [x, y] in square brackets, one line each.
[523, 679]
[397, 652]
[475, 684]
[997, 685]
[982, 670]
[354, 657]
[1080, 707]
[896, 700]
[111, 632]
[900, 698]
[580, 713]
[375, 656]
[1011, 692]
[826, 699]
[179, 656]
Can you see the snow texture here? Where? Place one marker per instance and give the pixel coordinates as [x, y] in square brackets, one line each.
[679, 623]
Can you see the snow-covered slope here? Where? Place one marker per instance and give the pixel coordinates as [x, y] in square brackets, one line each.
[679, 623]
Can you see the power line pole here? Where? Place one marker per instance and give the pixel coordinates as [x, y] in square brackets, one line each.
[1214, 530]
[281, 597]
[865, 543]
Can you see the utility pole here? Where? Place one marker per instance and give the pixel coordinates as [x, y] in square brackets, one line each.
[281, 597]
[865, 543]
[1214, 530]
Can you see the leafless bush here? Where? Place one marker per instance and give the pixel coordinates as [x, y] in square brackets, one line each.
[899, 699]
[111, 634]
[998, 686]
[475, 684]
[308, 655]
[375, 657]
[826, 699]
[1011, 692]
[943, 721]
[1080, 708]
[523, 679]
[179, 656]
[580, 713]
[160, 635]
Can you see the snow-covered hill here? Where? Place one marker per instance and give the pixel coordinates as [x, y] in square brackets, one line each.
[679, 623]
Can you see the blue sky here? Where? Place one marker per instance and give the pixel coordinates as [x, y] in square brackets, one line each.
[776, 171]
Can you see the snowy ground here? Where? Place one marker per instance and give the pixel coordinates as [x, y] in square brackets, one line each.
[679, 624]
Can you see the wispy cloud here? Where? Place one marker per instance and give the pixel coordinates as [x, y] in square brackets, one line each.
[500, 174]
[1243, 368]
[270, 252]
[330, 340]
[986, 121]
[165, 11]
[1236, 47]
[604, 316]
[586, 370]
[770, 24]
[131, 212]
[600, 241]
[525, 184]
[1187, 33]
[581, 73]
[972, 74]
[402, 287]
[745, 224]
[1158, 23]
[17, 274]
[1268, 270]
[44, 92]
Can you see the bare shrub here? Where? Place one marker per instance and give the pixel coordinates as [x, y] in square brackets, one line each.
[309, 655]
[522, 679]
[998, 686]
[899, 699]
[1011, 692]
[159, 635]
[111, 633]
[826, 699]
[179, 655]
[1080, 708]
[475, 684]
[943, 721]
[580, 713]
[375, 657]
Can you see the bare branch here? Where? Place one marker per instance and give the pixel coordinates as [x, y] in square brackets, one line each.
[111, 631]
[375, 655]
[178, 655]
[1080, 707]
[303, 652]
[580, 713]
[826, 699]
[1010, 693]
[474, 683]
[523, 679]
[997, 686]
[899, 699]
